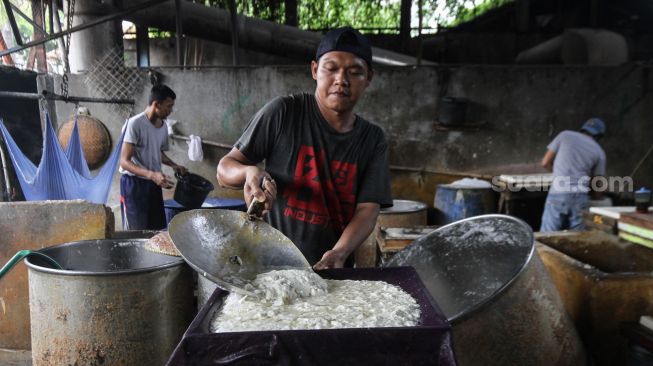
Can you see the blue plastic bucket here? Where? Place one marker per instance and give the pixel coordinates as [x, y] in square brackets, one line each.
[173, 207]
[453, 203]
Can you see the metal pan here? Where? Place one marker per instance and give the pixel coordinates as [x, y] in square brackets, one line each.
[230, 248]
[496, 293]
[468, 262]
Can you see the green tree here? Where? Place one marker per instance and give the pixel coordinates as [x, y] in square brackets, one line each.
[272, 10]
[26, 31]
[324, 14]
[24, 28]
[462, 13]
[368, 15]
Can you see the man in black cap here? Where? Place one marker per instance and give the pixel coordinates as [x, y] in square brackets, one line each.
[328, 165]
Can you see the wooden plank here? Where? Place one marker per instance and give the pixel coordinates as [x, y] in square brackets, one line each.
[598, 222]
[534, 181]
[635, 230]
[413, 233]
[614, 211]
[636, 239]
[608, 229]
[599, 219]
[644, 220]
[394, 245]
[391, 240]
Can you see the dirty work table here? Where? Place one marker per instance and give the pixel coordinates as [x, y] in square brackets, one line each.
[606, 219]
[523, 195]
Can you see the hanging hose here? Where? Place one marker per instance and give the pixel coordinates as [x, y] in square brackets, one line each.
[24, 253]
[5, 170]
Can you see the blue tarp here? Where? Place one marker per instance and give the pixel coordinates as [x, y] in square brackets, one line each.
[61, 175]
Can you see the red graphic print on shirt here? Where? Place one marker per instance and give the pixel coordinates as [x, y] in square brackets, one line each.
[320, 196]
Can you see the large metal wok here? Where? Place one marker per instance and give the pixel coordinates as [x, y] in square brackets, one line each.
[230, 248]
[493, 288]
[466, 263]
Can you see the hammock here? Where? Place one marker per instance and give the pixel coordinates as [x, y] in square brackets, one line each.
[61, 175]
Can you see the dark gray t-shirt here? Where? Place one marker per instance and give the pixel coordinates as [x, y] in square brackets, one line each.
[321, 174]
[148, 142]
[578, 158]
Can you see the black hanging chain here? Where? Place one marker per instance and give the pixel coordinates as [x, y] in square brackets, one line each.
[64, 85]
[43, 105]
[69, 24]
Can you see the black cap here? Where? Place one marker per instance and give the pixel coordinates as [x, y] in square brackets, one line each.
[345, 39]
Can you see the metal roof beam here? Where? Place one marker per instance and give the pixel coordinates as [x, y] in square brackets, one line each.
[29, 20]
[12, 22]
[92, 23]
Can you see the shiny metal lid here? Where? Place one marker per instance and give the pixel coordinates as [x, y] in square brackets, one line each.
[404, 206]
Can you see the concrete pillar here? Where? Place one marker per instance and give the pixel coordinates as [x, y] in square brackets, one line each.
[142, 46]
[404, 24]
[89, 44]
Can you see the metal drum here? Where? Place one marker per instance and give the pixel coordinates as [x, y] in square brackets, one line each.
[454, 202]
[493, 288]
[403, 213]
[114, 304]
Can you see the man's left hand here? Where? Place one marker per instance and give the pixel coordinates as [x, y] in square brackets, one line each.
[331, 259]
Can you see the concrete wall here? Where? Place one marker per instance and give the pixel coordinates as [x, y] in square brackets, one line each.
[520, 109]
[199, 52]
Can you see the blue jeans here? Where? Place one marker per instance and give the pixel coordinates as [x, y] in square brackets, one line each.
[564, 211]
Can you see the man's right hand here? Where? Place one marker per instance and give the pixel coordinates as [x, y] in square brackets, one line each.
[236, 171]
[161, 180]
[252, 187]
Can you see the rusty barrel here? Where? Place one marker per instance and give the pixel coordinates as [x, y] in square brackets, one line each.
[115, 303]
[462, 199]
[495, 291]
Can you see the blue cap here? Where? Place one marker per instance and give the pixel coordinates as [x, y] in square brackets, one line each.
[346, 39]
[594, 126]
